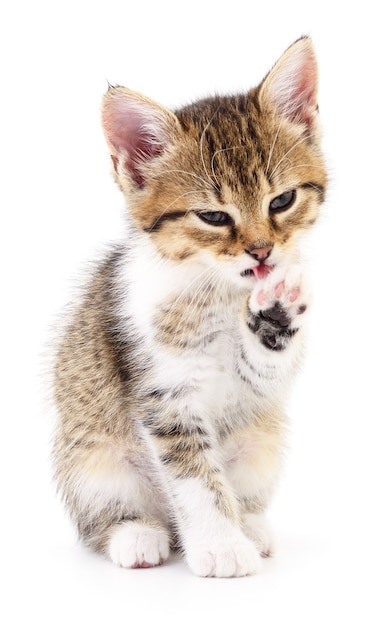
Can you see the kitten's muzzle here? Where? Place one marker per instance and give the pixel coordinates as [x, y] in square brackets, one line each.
[260, 254]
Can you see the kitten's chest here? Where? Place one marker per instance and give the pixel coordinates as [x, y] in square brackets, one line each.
[208, 382]
[192, 340]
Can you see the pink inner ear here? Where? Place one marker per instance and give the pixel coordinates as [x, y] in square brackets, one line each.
[304, 106]
[135, 131]
[141, 147]
[292, 84]
[143, 151]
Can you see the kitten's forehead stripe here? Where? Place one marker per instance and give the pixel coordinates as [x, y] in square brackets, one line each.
[228, 129]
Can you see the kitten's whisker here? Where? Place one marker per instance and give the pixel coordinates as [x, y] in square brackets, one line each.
[212, 182]
[183, 294]
[199, 297]
[175, 171]
[217, 152]
[273, 146]
[309, 165]
[297, 143]
[187, 193]
[206, 291]
[189, 287]
[285, 113]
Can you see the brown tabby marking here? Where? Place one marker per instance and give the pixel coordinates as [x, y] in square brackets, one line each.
[128, 434]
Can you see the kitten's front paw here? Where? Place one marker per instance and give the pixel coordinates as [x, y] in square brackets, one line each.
[257, 528]
[134, 544]
[225, 557]
[277, 306]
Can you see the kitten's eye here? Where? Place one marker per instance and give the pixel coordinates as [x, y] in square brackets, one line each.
[215, 218]
[283, 202]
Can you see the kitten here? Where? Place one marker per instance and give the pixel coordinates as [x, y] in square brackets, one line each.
[173, 372]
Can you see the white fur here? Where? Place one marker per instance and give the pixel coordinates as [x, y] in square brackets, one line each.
[210, 371]
[213, 545]
[138, 545]
[110, 477]
[257, 528]
[252, 461]
[293, 278]
[249, 458]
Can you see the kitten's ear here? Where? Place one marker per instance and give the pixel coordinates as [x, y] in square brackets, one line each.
[137, 131]
[291, 86]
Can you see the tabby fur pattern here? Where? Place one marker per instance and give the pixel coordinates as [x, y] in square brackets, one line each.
[174, 369]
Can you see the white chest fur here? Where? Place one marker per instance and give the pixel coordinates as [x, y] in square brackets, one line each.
[229, 376]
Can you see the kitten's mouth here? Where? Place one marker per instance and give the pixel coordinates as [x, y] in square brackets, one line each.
[259, 271]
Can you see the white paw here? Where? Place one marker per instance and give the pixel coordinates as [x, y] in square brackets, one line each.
[257, 528]
[284, 288]
[225, 557]
[134, 544]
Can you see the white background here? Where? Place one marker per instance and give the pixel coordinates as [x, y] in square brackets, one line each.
[59, 204]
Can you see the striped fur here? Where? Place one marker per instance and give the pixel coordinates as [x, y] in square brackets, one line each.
[173, 371]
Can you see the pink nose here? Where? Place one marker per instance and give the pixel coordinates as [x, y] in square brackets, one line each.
[260, 254]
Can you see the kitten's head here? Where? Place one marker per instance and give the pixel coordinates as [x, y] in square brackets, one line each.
[228, 182]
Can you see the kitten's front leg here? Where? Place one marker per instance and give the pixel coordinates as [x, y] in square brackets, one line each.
[269, 355]
[213, 541]
[208, 521]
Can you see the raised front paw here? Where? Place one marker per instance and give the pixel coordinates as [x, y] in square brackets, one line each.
[277, 305]
[225, 557]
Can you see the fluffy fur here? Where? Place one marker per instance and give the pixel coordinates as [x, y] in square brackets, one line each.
[174, 369]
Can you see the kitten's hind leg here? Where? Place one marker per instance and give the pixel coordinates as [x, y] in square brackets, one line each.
[117, 509]
[258, 529]
[138, 543]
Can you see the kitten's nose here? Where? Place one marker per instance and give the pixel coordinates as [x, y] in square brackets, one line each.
[260, 254]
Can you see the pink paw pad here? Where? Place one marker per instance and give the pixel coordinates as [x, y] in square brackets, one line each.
[146, 565]
[279, 289]
[265, 554]
[283, 287]
[261, 298]
[294, 294]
